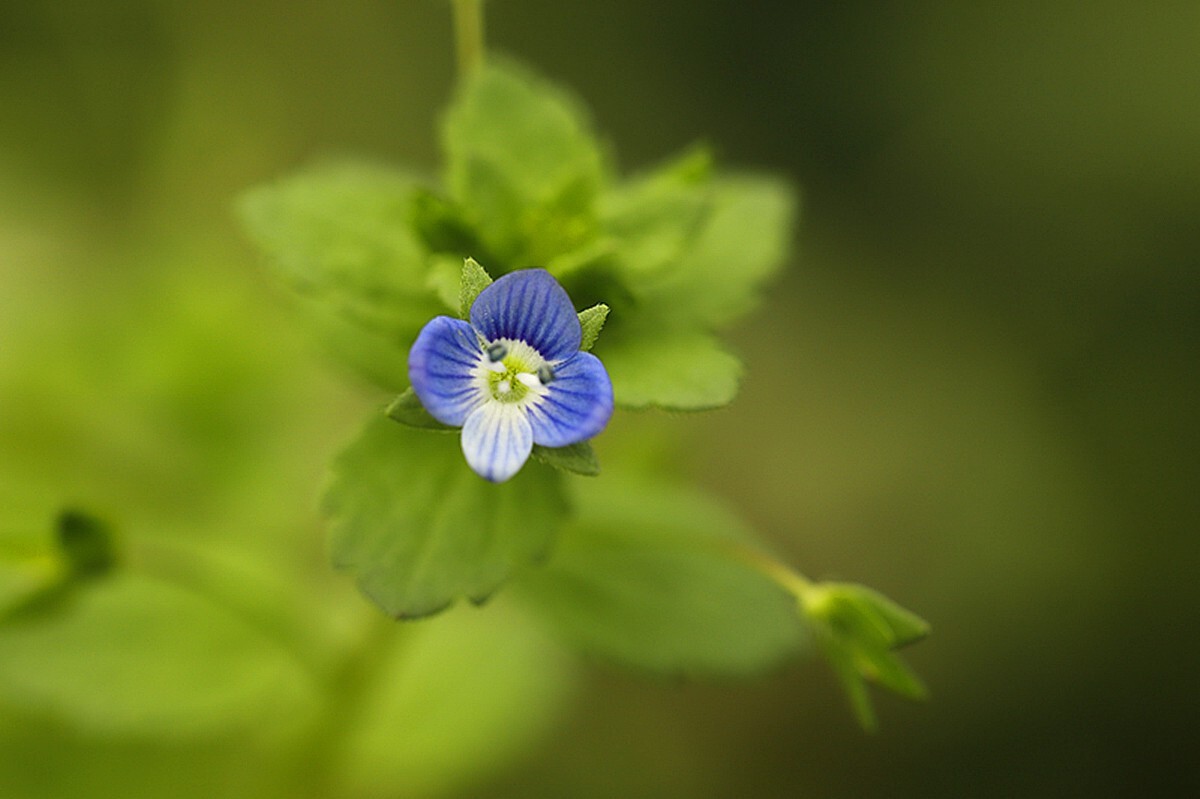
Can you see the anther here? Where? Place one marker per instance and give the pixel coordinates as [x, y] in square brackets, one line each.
[496, 351]
[545, 374]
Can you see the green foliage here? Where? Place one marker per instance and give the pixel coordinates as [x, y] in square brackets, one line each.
[592, 322]
[859, 630]
[672, 370]
[340, 234]
[644, 576]
[474, 280]
[454, 700]
[86, 543]
[419, 529]
[652, 219]
[742, 243]
[650, 575]
[522, 162]
[134, 654]
[575, 458]
[407, 409]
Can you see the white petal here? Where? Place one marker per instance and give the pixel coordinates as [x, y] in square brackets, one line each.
[497, 440]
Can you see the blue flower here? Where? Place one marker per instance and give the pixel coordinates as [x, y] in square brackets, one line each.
[512, 377]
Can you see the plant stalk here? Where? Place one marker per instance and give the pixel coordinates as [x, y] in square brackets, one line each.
[468, 36]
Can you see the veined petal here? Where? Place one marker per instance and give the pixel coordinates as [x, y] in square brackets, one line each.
[497, 440]
[440, 366]
[577, 404]
[528, 305]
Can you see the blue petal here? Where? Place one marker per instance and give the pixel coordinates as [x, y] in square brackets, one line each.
[530, 306]
[497, 440]
[577, 404]
[439, 368]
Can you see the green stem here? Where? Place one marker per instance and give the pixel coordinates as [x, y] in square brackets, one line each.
[777, 571]
[347, 694]
[468, 36]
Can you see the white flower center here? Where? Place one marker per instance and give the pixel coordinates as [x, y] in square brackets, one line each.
[512, 372]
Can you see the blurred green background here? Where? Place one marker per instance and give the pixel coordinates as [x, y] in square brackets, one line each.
[974, 389]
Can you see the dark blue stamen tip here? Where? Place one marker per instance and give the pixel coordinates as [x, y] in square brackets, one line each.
[545, 374]
[496, 351]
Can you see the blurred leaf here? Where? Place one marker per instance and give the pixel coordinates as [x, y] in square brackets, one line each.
[643, 577]
[86, 543]
[457, 700]
[441, 226]
[419, 529]
[340, 232]
[592, 322]
[672, 370]
[576, 458]
[742, 242]
[651, 220]
[522, 162]
[137, 655]
[858, 629]
[407, 409]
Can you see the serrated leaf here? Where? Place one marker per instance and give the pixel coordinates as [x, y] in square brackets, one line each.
[341, 234]
[419, 529]
[652, 220]
[742, 242]
[672, 370]
[473, 281]
[407, 409]
[131, 654]
[576, 458]
[523, 163]
[641, 576]
[592, 321]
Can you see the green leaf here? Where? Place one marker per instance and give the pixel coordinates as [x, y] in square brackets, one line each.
[131, 654]
[474, 280]
[441, 225]
[643, 576]
[455, 701]
[522, 162]
[592, 322]
[576, 458]
[407, 409]
[858, 630]
[419, 529]
[672, 370]
[741, 244]
[652, 220]
[86, 543]
[340, 233]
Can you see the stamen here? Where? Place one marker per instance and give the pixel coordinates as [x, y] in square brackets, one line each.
[496, 352]
[529, 379]
[498, 367]
[545, 374]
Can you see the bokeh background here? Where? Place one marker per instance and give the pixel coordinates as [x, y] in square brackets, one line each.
[975, 387]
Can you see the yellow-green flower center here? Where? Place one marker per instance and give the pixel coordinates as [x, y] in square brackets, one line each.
[512, 371]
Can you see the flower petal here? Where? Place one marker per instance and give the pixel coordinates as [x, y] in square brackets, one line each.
[497, 440]
[528, 305]
[577, 405]
[440, 366]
